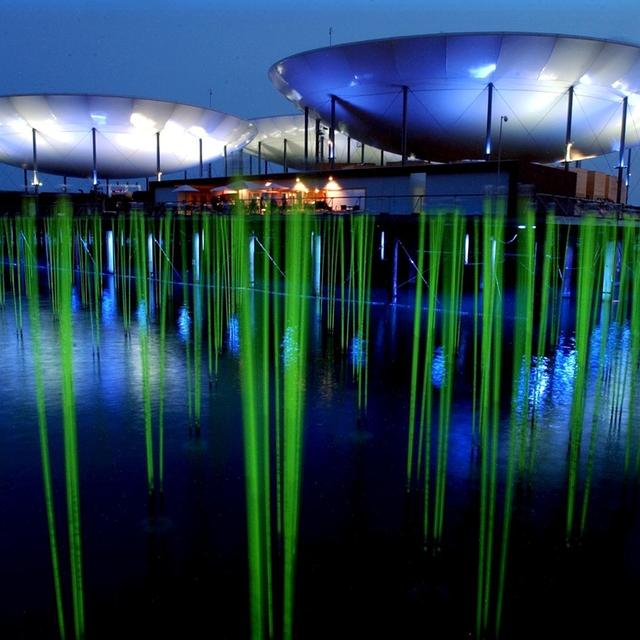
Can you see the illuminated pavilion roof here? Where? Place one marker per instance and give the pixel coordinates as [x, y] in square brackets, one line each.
[271, 131]
[449, 78]
[125, 133]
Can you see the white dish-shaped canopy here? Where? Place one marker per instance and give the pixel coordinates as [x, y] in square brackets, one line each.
[447, 78]
[272, 131]
[125, 133]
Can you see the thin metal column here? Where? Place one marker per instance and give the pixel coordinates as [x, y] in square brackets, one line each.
[284, 156]
[158, 171]
[317, 140]
[628, 178]
[348, 149]
[487, 139]
[362, 154]
[623, 131]
[226, 173]
[35, 182]
[95, 163]
[332, 133]
[382, 157]
[26, 181]
[405, 94]
[259, 155]
[567, 137]
[201, 165]
[306, 137]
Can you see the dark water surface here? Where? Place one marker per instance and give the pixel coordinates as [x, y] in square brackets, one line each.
[178, 562]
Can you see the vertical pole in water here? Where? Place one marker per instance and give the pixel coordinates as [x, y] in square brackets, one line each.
[306, 137]
[567, 137]
[623, 131]
[158, 171]
[566, 272]
[200, 151]
[252, 260]
[35, 182]
[405, 94]
[284, 156]
[487, 138]
[110, 261]
[608, 275]
[196, 256]
[394, 275]
[332, 133]
[150, 253]
[317, 248]
[226, 168]
[94, 173]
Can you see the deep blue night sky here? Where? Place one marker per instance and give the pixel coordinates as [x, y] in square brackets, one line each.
[179, 50]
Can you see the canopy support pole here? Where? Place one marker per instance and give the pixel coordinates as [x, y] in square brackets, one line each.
[332, 134]
[623, 131]
[405, 95]
[487, 139]
[95, 163]
[35, 181]
[306, 137]
[567, 137]
[158, 170]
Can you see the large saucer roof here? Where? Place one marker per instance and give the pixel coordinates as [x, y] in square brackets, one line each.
[126, 128]
[447, 76]
[271, 131]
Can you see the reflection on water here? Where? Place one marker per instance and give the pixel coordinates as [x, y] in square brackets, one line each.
[223, 422]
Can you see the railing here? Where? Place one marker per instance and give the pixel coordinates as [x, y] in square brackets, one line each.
[379, 204]
[578, 207]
